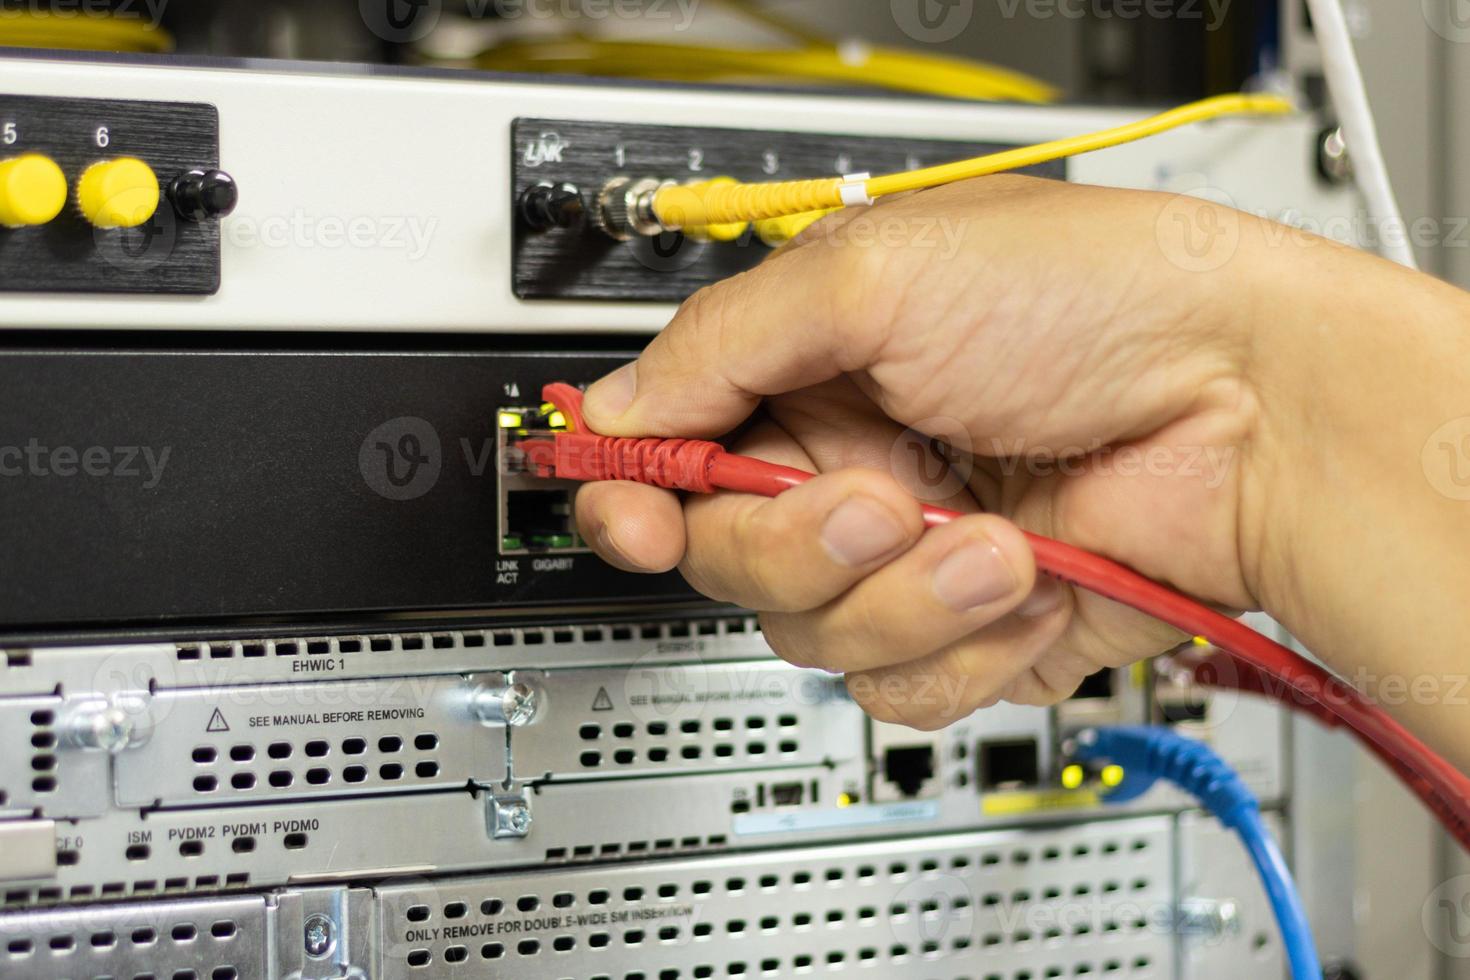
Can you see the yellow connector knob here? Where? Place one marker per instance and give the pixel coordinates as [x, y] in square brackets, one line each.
[779, 231]
[32, 190]
[121, 193]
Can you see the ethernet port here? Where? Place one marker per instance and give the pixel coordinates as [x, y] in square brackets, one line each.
[536, 515]
[909, 768]
[1009, 764]
[538, 520]
[787, 794]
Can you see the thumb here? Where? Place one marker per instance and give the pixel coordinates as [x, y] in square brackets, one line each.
[792, 322]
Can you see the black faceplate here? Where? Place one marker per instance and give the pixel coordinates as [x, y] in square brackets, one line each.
[273, 502]
[165, 255]
[584, 263]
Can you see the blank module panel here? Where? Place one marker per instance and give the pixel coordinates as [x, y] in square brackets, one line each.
[560, 253]
[110, 196]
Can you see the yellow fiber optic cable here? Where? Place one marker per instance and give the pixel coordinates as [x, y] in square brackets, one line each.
[81, 31]
[697, 205]
[871, 67]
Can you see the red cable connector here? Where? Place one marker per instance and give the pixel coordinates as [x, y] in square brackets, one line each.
[703, 467]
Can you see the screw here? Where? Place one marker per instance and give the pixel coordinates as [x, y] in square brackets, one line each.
[321, 936]
[108, 727]
[1333, 159]
[512, 817]
[514, 705]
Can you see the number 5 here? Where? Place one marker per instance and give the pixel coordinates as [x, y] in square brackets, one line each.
[9, 134]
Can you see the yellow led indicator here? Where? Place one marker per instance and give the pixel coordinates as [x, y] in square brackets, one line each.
[1200, 641]
[121, 193]
[557, 420]
[1112, 776]
[844, 799]
[511, 420]
[32, 190]
[1073, 777]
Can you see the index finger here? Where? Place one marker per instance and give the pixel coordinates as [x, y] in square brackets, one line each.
[791, 322]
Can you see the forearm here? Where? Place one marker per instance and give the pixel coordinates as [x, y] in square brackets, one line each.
[1357, 504]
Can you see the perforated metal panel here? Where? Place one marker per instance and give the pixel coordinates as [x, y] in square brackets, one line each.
[646, 719]
[234, 744]
[213, 939]
[1088, 901]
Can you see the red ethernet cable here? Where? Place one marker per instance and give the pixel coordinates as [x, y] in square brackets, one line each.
[703, 467]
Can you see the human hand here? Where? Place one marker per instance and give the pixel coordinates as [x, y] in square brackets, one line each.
[1096, 393]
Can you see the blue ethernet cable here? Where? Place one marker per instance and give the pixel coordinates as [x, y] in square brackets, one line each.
[1148, 754]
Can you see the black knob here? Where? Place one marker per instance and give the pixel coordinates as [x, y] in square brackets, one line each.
[545, 206]
[202, 194]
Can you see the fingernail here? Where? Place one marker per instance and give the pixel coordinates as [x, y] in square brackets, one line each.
[974, 574]
[860, 531]
[610, 397]
[609, 550]
[1045, 597]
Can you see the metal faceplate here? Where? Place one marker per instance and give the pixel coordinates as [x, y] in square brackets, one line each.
[331, 738]
[1093, 900]
[648, 719]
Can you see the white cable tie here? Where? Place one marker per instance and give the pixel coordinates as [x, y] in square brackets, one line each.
[854, 190]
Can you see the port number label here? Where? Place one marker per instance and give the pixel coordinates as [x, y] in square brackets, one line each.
[9, 134]
[696, 159]
[104, 136]
[770, 162]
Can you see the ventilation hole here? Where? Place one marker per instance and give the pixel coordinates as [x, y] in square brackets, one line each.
[418, 957]
[242, 753]
[143, 937]
[591, 760]
[492, 951]
[243, 780]
[62, 944]
[390, 743]
[318, 777]
[354, 774]
[391, 770]
[625, 757]
[456, 910]
[426, 770]
[204, 755]
[491, 906]
[354, 746]
[223, 929]
[138, 852]
[280, 778]
[317, 748]
[279, 750]
[528, 903]
[456, 954]
[294, 841]
[590, 733]
[42, 719]
[426, 742]
[103, 940]
[417, 913]
[597, 897]
[184, 933]
[658, 729]
[623, 730]
[224, 973]
[528, 947]
[242, 845]
[689, 726]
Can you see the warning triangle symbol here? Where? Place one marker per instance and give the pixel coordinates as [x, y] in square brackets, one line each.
[217, 723]
[602, 702]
